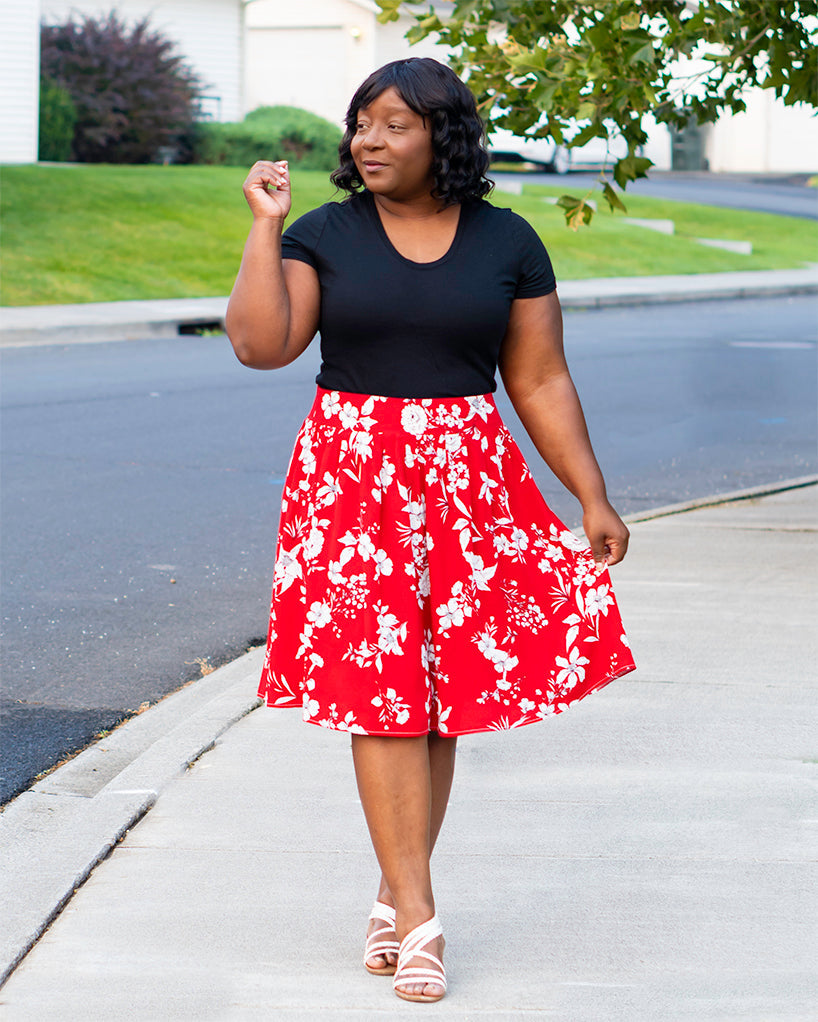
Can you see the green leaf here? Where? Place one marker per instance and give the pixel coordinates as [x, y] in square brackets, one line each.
[577, 211]
[587, 133]
[429, 24]
[613, 199]
[389, 10]
[583, 214]
[585, 111]
[629, 168]
[644, 54]
[528, 60]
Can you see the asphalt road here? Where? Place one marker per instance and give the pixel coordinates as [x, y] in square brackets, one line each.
[141, 481]
[784, 195]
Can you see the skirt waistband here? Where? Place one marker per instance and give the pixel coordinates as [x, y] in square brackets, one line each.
[413, 415]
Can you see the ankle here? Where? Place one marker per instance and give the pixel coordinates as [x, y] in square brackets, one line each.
[385, 895]
[409, 914]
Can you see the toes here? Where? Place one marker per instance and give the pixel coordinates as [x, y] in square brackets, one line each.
[421, 989]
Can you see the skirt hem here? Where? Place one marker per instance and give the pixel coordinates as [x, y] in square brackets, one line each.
[448, 733]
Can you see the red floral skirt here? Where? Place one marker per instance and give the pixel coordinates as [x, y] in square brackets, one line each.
[421, 581]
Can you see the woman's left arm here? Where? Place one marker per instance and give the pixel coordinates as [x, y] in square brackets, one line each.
[536, 377]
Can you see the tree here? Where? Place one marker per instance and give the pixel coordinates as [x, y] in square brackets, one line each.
[132, 93]
[574, 70]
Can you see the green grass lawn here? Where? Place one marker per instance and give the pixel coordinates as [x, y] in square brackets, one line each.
[93, 233]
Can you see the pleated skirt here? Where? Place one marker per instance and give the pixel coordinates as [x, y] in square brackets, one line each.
[422, 584]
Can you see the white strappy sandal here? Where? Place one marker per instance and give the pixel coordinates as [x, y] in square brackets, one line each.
[411, 947]
[376, 945]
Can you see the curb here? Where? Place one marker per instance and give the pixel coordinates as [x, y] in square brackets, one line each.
[71, 820]
[575, 302]
[166, 319]
[764, 490]
[98, 322]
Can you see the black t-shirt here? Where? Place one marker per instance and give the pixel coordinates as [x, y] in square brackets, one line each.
[397, 328]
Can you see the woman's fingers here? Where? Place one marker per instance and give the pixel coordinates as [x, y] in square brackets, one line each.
[614, 549]
[267, 188]
[608, 536]
[271, 173]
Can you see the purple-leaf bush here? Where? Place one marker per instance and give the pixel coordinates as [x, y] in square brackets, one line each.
[134, 94]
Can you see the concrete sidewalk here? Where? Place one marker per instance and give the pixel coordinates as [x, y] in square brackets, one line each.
[648, 855]
[126, 321]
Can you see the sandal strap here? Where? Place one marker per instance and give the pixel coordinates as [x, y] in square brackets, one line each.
[412, 947]
[427, 955]
[379, 947]
[421, 935]
[420, 976]
[385, 912]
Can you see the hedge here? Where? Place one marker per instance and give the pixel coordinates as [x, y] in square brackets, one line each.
[58, 117]
[270, 133]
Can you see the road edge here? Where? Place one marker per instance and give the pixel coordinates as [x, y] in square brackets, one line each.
[71, 820]
[730, 497]
[167, 318]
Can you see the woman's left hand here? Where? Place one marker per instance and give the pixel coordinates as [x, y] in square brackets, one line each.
[607, 534]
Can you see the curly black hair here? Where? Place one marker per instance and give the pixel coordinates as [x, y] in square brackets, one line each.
[458, 137]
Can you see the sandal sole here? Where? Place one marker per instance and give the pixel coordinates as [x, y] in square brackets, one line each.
[387, 970]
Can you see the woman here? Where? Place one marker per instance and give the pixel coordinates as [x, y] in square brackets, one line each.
[422, 587]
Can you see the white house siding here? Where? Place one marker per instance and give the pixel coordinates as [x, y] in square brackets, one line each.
[19, 80]
[207, 33]
[315, 53]
[302, 66]
[390, 44]
[768, 137]
[658, 146]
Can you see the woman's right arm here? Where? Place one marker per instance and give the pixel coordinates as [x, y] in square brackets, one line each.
[274, 307]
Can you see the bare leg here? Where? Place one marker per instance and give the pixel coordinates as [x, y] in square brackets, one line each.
[404, 785]
[441, 769]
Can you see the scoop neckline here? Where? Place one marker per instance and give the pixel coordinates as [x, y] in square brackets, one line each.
[373, 212]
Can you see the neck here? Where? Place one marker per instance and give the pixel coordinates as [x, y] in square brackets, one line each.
[412, 209]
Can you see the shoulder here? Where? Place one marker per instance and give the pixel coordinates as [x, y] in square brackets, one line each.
[517, 246]
[323, 235]
[506, 225]
[312, 220]
[502, 219]
[302, 238]
[502, 222]
[312, 224]
[487, 211]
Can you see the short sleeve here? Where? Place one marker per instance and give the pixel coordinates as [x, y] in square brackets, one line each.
[301, 238]
[535, 275]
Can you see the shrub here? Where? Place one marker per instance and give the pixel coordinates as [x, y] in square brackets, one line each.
[58, 117]
[133, 94]
[270, 133]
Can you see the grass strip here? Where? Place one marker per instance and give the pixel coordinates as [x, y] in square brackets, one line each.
[612, 248]
[93, 233]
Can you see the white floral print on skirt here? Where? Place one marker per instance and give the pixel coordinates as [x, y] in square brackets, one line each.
[421, 581]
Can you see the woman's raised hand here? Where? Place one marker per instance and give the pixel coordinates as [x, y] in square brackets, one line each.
[267, 190]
